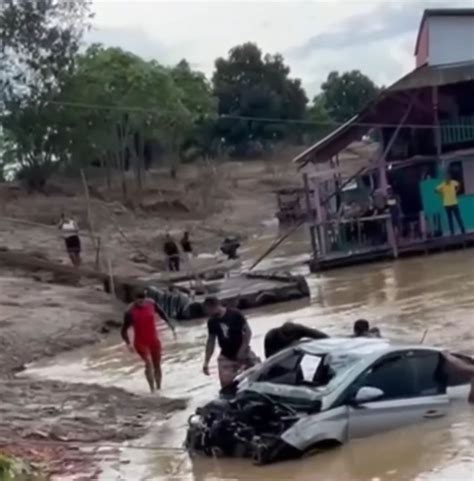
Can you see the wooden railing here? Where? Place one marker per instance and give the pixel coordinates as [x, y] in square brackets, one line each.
[457, 131]
[352, 235]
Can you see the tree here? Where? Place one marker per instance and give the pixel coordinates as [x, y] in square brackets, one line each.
[40, 39]
[319, 121]
[129, 104]
[344, 95]
[202, 139]
[128, 101]
[250, 85]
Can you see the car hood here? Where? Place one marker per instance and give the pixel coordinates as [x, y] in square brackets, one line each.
[298, 397]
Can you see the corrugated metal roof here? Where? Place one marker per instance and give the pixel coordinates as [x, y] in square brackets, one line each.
[435, 75]
[422, 77]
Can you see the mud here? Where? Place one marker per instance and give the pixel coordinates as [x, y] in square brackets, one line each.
[39, 320]
[428, 298]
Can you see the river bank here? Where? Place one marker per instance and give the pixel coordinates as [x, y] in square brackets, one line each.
[43, 315]
[40, 320]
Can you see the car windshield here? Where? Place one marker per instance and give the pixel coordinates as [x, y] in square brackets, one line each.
[297, 368]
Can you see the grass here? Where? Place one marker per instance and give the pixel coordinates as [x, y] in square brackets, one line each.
[12, 469]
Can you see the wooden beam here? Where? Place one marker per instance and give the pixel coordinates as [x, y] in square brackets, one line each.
[319, 215]
[310, 214]
[392, 240]
[89, 220]
[437, 129]
[383, 159]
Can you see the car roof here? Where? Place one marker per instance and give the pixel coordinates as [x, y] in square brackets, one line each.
[358, 346]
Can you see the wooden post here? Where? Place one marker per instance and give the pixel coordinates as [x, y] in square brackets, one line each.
[383, 159]
[437, 128]
[319, 214]
[111, 275]
[392, 240]
[310, 215]
[89, 219]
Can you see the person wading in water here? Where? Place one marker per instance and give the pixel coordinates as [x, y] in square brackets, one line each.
[280, 338]
[362, 329]
[141, 316]
[232, 332]
[463, 367]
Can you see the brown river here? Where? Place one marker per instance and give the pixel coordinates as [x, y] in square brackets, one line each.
[431, 297]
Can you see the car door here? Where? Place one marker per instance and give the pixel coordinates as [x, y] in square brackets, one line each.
[413, 391]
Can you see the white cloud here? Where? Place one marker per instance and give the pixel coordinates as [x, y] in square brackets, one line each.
[315, 37]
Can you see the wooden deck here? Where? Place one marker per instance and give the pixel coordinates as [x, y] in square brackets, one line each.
[384, 252]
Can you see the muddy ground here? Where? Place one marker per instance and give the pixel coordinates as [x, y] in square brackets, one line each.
[38, 320]
[42, 315]
[232, 200]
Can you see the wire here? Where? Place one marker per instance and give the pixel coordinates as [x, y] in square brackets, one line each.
[334, 124]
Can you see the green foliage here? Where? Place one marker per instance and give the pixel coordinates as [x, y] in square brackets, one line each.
[248, 85]
[344, 95]
[320, 122]
[106, 106]
[12, 469]
[6, 468]
[40, 39]
[128, 103]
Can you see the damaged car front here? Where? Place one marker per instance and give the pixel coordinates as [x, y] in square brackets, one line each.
[277, 410]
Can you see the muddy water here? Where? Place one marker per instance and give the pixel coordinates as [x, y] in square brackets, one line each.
[428, 297]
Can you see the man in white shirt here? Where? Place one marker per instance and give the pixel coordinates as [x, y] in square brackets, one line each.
[70, 232]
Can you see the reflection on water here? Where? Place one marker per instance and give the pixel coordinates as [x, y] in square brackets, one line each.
[406, 300]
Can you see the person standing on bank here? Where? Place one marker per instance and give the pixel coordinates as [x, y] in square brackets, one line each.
[186, 245]
[70, 233]
[395, 211]
[141, 316]
[171, 251]
[448, 190]
[231, 331]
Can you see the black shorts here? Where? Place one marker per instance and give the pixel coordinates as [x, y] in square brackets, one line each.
[73, 244]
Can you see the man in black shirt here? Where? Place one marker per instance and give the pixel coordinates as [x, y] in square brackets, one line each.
[172, 253]
[186, 244]
[282, 337]
[231, 331]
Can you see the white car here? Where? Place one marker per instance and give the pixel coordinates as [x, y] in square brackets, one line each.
[326, 392]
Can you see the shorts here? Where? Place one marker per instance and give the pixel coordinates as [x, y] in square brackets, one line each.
[73, 244]
[151, 351]
[229, 368]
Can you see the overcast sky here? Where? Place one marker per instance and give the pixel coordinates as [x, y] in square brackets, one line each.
[315, 37]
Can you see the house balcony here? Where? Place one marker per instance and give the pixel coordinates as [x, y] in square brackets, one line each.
[458, 131]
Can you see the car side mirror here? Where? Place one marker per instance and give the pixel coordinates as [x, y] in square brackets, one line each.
[367, 394]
